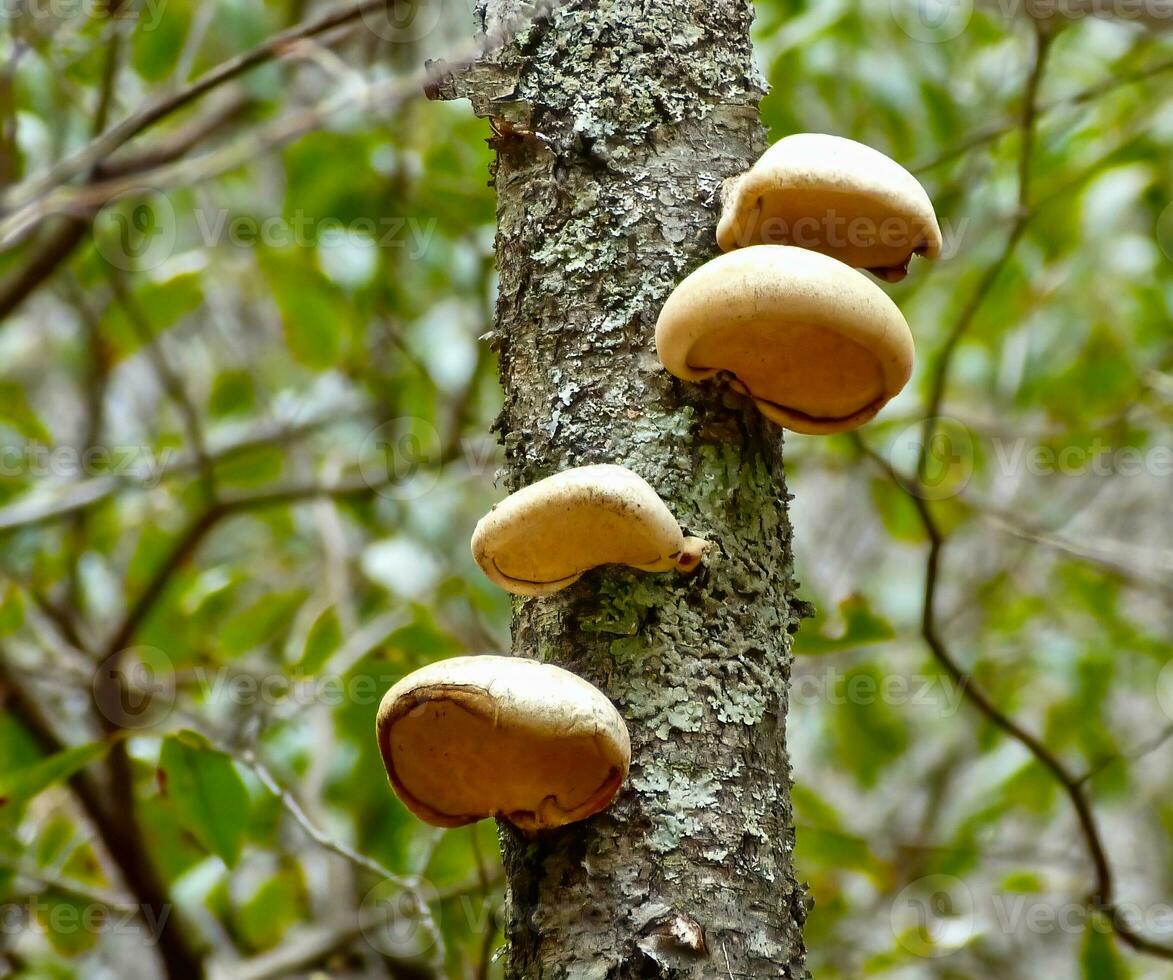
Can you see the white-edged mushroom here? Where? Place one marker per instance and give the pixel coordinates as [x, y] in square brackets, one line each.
[817, 345]
[546, 536]
[477, 737]
[835, 196]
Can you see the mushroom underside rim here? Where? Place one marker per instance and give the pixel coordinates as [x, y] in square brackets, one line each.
[868, 410]
[575, 576]
[553, 584]
[468, 697]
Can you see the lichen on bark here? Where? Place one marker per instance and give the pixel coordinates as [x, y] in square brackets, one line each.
[619, 120]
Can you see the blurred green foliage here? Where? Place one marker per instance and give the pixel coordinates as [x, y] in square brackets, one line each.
[342, 280]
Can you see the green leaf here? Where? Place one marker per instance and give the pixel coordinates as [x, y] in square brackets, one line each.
[1100, 960]
[164, 303]
[72, 924]
[254, 468]
[276, 905]
[17, 412]
[897, 512]
[23, 784]
[1023, 883]
[11, 610]
[209, 796]
[158, 37]
[870, 733]
[318, 319]
[232, 394]
[325, 636]
[266, 618]
[860, 627]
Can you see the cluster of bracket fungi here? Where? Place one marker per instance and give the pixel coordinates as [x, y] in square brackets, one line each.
[785, 317]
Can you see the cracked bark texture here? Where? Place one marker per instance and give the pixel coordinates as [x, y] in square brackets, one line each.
[617, 121]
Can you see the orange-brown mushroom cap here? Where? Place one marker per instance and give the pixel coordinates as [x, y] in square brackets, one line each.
[818, 346]
[545, 536]
[835, 196]
[476, 737]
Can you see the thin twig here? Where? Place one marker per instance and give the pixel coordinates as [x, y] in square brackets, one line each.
[170, 381]
[1134, 755]
[138, 122]
[48, 256]
[118, 831]
[1102, 896]
[27, 513]
[83, 201]
[69, 886]
[987, 134]
[411, 884]
[973, 305]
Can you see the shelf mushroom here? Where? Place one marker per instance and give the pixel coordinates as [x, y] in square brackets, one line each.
[818, 346]
[476, 737]
[835, 196]
[546, 536]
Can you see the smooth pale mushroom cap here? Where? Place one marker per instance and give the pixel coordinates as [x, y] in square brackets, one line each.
[818, 346]
[547, 535]
[477, 737]
[835, 196]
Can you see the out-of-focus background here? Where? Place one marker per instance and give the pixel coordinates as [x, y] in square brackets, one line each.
[282, 308]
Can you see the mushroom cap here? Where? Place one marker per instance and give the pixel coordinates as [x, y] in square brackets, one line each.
[546, 536]
[477, 737]
[835, 196]
[818, 346]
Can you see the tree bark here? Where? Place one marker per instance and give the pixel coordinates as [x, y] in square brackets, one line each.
[616, 123]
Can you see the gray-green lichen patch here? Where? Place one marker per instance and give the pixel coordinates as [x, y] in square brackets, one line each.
[682, 801]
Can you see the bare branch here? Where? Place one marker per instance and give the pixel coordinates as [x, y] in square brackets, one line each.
[170, 381]
[40, 509]
[118, 835]
[48, 256]
[47, 881]
[1103, 895]
[988, 134]
[969, 311]
[137, 122]
[311, 946]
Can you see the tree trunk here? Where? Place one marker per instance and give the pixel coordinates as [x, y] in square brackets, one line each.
[617, 121]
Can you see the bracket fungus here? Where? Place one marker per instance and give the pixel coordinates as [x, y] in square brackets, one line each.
[818, 346]
[477, 737]
[546, 536]
[835, 196]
